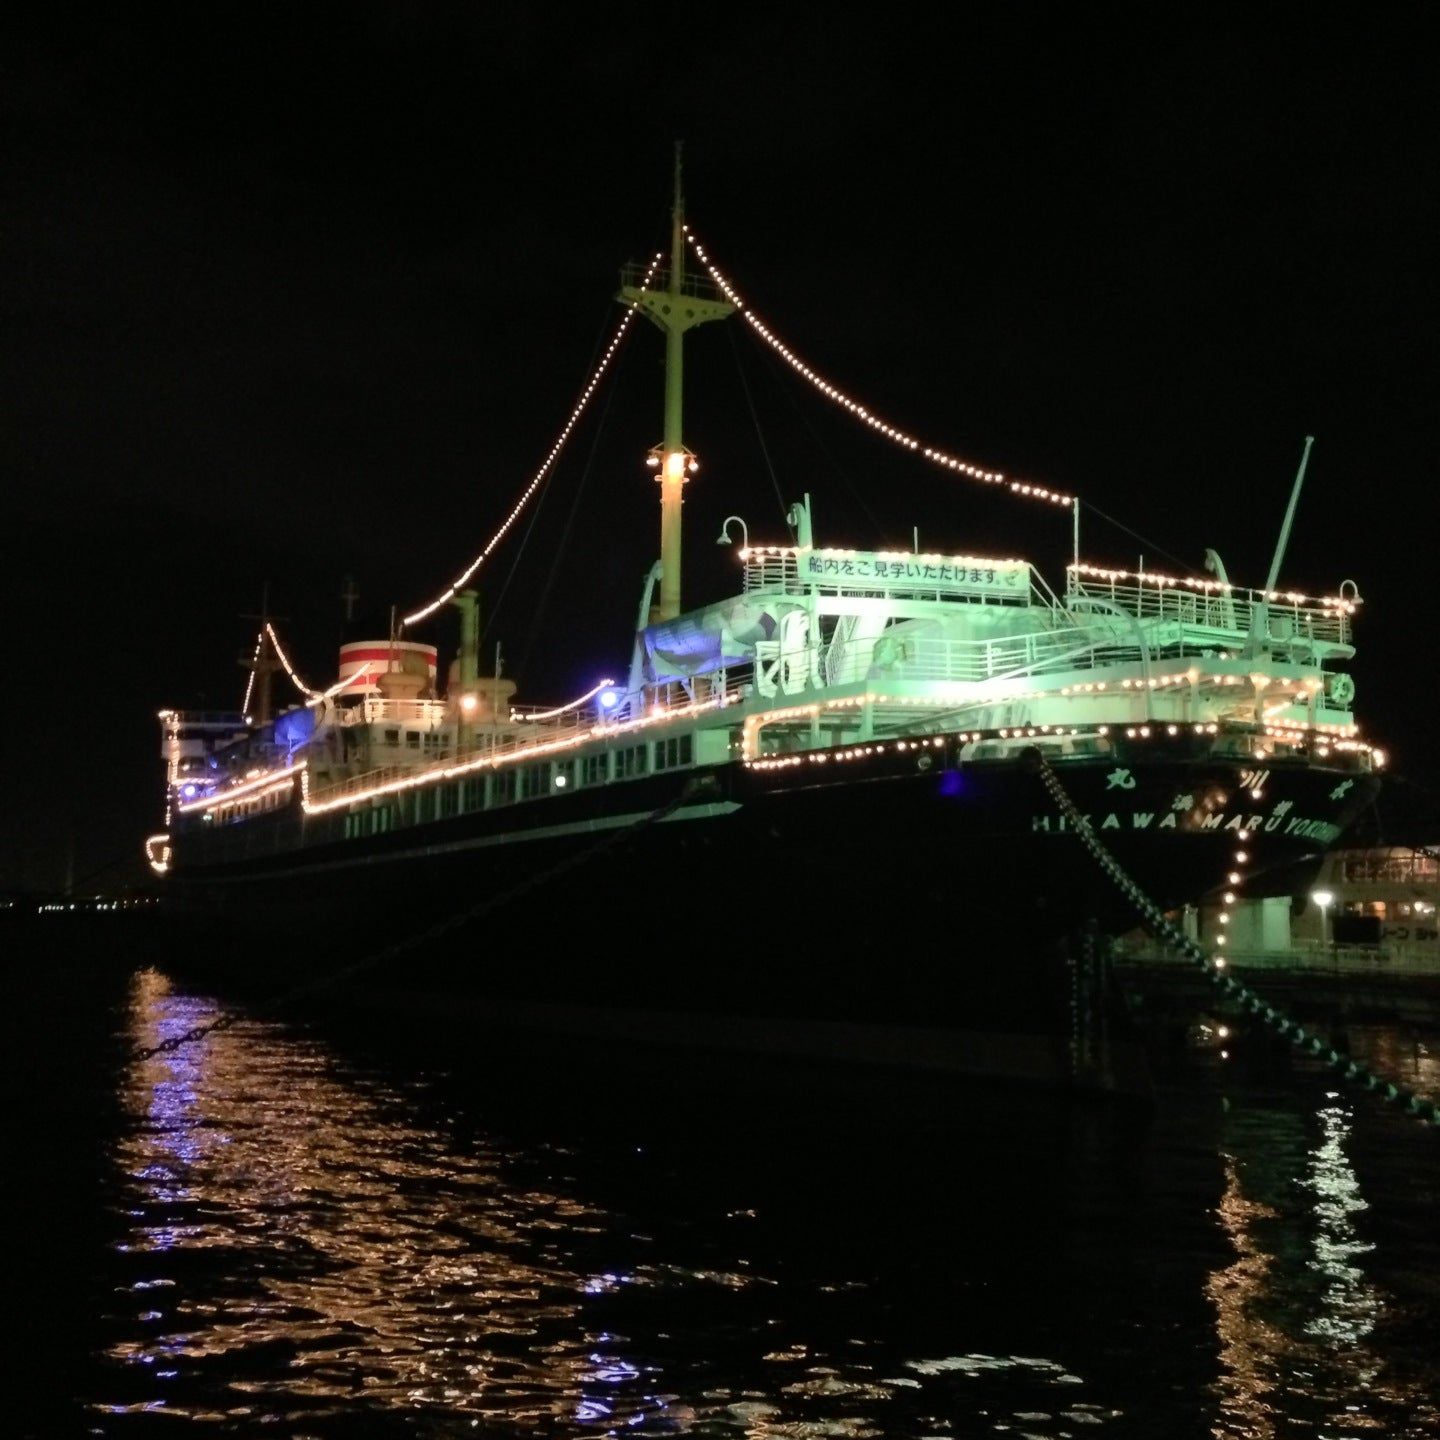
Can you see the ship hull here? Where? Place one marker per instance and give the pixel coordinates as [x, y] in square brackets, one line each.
[872, 906]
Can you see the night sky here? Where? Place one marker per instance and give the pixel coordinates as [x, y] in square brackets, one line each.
[298, 293]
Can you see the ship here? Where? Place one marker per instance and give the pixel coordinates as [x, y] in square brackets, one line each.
[816, 802]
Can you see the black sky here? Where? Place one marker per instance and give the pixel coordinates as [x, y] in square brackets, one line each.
[297, 292]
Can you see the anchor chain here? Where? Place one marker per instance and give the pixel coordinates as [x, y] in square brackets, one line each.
[1352, 1071]
[693, 788]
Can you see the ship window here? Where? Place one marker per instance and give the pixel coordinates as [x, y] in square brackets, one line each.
[432, 740]
[503, 790]
[564, 778]
[630, 761]
[425, 805]
[595, 769]
[412, 739]
[392, 737]
[449, 801]
[678, 750]
[534, 780]
[472, 793]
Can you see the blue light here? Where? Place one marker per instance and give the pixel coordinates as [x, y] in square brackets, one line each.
[950, 782]
[189, 791]
[609, 699]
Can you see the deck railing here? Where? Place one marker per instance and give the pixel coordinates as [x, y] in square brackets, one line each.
[1224, 612]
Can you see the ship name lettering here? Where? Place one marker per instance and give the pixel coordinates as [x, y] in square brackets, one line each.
[1141, 819]
[1110, 822]
[1167, 822]
[1211, 822]
[1236, 823]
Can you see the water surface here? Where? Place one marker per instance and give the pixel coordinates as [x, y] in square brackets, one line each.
[310, 1230]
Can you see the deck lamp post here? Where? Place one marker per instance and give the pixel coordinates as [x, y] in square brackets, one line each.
[724, 536]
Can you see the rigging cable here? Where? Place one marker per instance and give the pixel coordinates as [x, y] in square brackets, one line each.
[290, 670]
[760, 434]
[841, 473]
[860, 412]
[596, 374]
[1136, 535]
[250, 681]
[554, 568]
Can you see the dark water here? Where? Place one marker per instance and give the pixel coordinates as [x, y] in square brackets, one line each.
[298, 1230]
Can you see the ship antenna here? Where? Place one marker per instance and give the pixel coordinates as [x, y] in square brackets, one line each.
[675, 309]
[1260, 620]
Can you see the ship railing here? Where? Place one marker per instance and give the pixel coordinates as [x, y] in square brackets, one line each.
[496, 745]
[209, 719]
[377, 709]
[933, 657]
[632, 277]
[1220, 611]
[551, 720]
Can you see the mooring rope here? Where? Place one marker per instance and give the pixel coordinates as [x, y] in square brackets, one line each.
[1353, 1071]
[692, 789]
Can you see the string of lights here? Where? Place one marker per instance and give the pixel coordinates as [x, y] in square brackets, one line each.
[866, 416]
[300, 685]
[250, 681]
[1214, 587]
[343, 683]
[586, 395]
[562, 709]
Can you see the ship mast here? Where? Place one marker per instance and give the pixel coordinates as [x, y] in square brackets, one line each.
[677, 307]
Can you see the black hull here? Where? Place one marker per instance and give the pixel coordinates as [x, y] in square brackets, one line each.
[851, 905]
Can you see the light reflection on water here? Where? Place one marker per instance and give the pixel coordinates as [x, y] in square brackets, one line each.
[318, 1246]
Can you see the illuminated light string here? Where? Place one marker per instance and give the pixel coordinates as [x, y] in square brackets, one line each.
[837, 396]
[250, 680]
[290, 670]
[249, 789]
[256, 786]
[520, 755]
[1214, 587]
[586, 395]
[345, 681]
[162, 864]
[562, 709]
